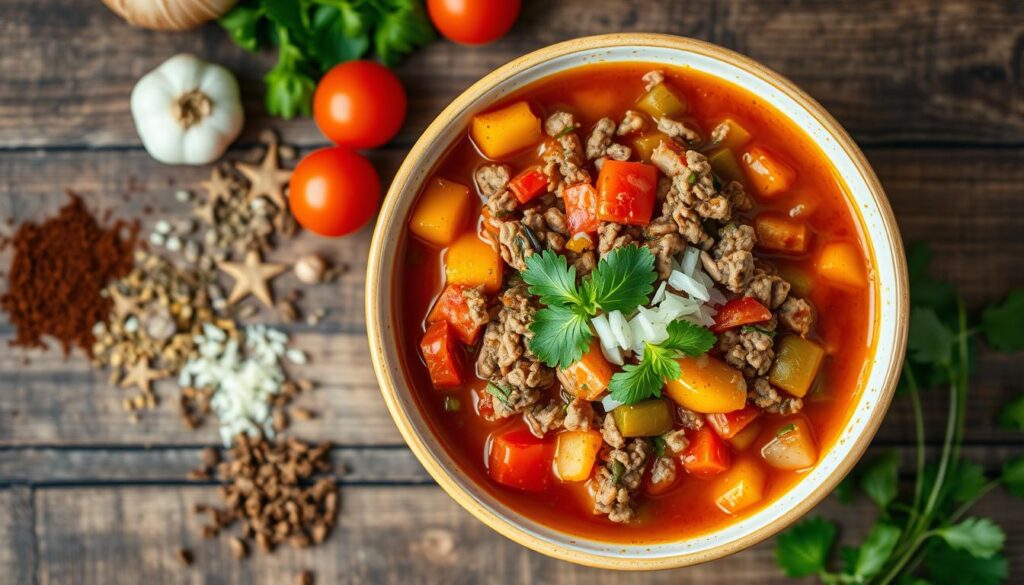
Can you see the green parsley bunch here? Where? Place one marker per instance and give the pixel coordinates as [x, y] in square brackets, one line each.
[925, 536]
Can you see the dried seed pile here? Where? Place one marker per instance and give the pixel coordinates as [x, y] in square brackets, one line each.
[277, 492]
[59, 270]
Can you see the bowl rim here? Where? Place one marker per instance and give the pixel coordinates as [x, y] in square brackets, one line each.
[443, 476]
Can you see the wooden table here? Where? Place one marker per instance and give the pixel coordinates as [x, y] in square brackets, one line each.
[933, 91]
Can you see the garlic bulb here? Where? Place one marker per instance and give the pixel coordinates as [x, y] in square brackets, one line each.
[187, 111]
[169, 14]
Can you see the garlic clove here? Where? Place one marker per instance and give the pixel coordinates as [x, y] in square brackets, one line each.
[310, 269]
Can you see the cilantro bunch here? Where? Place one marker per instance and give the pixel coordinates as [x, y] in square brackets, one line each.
[311, 36]
[925, 535]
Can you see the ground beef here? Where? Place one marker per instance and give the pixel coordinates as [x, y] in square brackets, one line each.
[668, 160]
[476, 302]
[663, 470]
[676, 441]
[611, 235]
[720, 133]
[610, 432]
[548, 227]
[585, 262]
[600, 138]
[567, 157]
[731, 261]
[738, 198]
[678, 131]
[796, 315]
[632, 121]
[579, 415]
[617, 151]
[492, 182]
[514, 243]
[747, 350]
[543, 418]
[763, 395]
[664, 186]
[514, 400]
[618, 480]
[653, 78]
[696, 188]
[690, 419]
[505, 357]
[768, 289]
[663, 239]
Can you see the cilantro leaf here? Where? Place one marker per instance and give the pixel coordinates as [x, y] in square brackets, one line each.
[640, 382]
[1013, 476]
[560, 336]
[876, 550]
[402, 27]
[499, 392]
[551, 278]
[688, 339]
[979, 536]
[880, 481]
[1012, 415]
[966, 481]
[803, 549]
[242, 24]
[636, 382]
[623, 280]
[924, 290]
[949, 566]
[289, 90]
[929, 340]
[1002, 323]
[339, 35]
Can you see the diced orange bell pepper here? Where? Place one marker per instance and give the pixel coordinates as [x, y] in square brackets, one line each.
[441, 212]
[793, 446]
[529, 184]
[841, 264]
[741, 311]
[471, 261]
[452, 307]
[776, 232]
[767, 173]
[707, 454]
[575, 454]
[589, 377]
[740, 487]
[707, 385]
[626, 192]
[727, 424]
[502, 132]
[442, 355]
[581, 208]
[520, 460]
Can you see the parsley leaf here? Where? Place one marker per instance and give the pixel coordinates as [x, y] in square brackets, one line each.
[949, 566]
[1002, 323]
[979, 536]
[880, 481]
[1012, 415]
[339, 35]
[499, 392]
[551, 278]
[688, 339]
[636, 382]
[243, 26]
[876, 550]
[967, 481]
[560, 335]
[803, 549]
[402, 27]
[289, 90]
[1013, 476]
[640, 382]
[623, 279]
[929, 340]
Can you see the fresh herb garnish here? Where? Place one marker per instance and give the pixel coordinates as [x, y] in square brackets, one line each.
[641, 381]
[312, 36]
[658, 444]
[561, 333]
[785, 430]
[618, 470]
[452, 404]
[499, 392]
[761, 330]
[925, 534]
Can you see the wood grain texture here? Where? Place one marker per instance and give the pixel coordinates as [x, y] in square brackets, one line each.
[18, 561]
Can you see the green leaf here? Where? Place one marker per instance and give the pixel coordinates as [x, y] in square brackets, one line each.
[560, 336]
[966, 481]
[402, 27]
[948, 566]
[803, 549]
[623, 279]
[689, 339]
[242, 24]
[1013, 476]
[335, 40]
[880, 481]
[924, 290]
[499, 392]
[1003, 324]
[876, 550]
[289, 14]
[289, 90]
[551, 278]
[636, 382]
[979, 536]
[929, 340]
[1012, 415]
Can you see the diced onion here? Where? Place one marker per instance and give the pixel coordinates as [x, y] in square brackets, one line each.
[610, 403]
[620, 329]
[604, 332]
[612, 354]
[691, 258]
[687, 284]
[717, 298]
[659, 295]
[675, 306]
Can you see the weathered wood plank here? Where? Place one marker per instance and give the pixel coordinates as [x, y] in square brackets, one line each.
[17, 535]
[927, 71]
[129, 535]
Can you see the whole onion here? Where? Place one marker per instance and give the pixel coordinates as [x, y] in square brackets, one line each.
[169, 14]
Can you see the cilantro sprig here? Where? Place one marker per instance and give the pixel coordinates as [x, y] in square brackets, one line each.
[622, 281]
[641, 381]
[925, 536]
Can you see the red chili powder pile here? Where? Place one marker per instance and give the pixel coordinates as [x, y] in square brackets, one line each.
[59, 269]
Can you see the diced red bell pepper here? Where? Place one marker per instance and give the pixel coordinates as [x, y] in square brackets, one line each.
[626, 192]
[707, 454]
[520, 460]
[452, 307]
[581, 208]
[442, 355]
[529, 184]
[727, 424]
[742, 311]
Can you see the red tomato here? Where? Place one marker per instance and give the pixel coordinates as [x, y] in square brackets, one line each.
[473, 22]
[334, 191]
[707, 454]
[442, 355]
[626, 192]
[452, 307]
[727, 424]
[741, 311]
[359, 104]
[520, 460]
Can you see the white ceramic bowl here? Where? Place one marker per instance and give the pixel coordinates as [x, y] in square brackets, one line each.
[886, 254]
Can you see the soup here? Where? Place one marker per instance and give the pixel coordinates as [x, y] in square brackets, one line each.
[635, 302]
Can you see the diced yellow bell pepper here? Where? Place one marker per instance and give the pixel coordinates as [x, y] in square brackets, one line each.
[643, 419]
[645, 144]
[660, 101]
[723, 163]
[441, 211]
[737, 135]
[707, 385]
[502, 132]
[588, 378]
[841, 264]
[792, 448]
[580, 243]
[799, 280]
[779, 233]
[470, 261]
[740, 487]
[796, 364]
[767, 174]
[575, 454]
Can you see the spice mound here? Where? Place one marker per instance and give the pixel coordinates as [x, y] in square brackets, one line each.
[58, 274]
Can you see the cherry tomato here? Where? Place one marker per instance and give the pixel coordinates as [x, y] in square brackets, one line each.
[334, 191]
[473, 22]
[359, 104]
